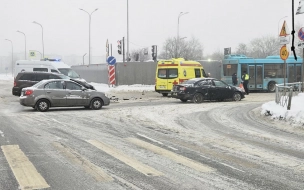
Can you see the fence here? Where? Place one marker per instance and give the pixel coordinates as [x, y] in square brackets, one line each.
[285, 93]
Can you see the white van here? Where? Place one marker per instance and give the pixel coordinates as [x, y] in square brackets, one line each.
[48, 65]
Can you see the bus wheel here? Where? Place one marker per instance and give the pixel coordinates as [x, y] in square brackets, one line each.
[165, 94]
[271, 87]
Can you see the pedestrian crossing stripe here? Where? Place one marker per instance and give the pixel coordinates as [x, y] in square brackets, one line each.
[25, 172]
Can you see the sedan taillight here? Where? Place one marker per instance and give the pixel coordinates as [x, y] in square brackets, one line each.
[182, 88]
[28, 92]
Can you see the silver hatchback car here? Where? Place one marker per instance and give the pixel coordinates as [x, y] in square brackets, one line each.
[61, 93]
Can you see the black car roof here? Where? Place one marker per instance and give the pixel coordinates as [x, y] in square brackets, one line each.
[40, 72]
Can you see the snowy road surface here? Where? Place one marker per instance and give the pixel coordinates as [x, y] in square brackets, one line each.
[148, 142]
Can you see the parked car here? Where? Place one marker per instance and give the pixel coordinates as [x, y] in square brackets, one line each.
[27, 79]
[200, 89]
[61, 93]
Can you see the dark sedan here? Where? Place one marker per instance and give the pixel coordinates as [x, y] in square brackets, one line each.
[200, 89]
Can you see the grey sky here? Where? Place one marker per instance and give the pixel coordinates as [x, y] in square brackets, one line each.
[216, 23]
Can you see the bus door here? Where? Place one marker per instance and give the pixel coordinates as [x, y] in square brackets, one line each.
[291, 73]
[256, 77]
[294, 73]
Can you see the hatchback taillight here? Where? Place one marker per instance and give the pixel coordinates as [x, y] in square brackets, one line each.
[28, 92]
[182, 88]
[15, 84]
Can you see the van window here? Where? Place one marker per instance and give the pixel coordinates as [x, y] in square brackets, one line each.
[172, 73]
[197, 73]
[29, 77]
[204, 74]
[162, 73]
[54, 71]
[40, 69]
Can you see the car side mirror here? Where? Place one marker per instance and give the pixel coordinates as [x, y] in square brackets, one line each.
[83, 88]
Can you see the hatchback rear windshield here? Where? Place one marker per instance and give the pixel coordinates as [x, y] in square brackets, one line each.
[69, 72]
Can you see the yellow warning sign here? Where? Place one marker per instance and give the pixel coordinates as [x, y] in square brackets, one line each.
[284, 53]
[284, 29]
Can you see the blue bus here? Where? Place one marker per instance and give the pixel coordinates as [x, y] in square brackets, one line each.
[264, 73]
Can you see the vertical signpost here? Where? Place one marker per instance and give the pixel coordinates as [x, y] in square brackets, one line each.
[301, 45]
[284, 39]
[111, 70]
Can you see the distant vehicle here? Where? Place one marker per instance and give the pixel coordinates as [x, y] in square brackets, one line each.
[47, 65]
[198, 90]
[264, 73]
[175, 71]
[61, 93]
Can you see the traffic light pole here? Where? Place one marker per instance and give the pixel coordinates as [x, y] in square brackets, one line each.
[123, 49]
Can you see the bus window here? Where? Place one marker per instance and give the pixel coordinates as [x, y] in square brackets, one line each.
[273, 71]
[229, 69]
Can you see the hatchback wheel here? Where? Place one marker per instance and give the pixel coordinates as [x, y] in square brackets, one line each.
[96, 104]
[42, 105]
[198, 98]
[237, 96]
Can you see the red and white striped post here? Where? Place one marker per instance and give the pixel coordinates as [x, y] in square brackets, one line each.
[111, 74]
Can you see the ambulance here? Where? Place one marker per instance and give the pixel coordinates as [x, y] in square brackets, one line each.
[176, 71]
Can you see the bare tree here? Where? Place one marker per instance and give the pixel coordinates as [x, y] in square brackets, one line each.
[264, 46]
[139, 55]
[187, 49]
[242, 49]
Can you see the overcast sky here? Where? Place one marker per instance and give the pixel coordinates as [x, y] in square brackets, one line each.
[216, 23]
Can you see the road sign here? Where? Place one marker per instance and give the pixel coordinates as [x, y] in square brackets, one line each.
[32, 54]
[301, 44]
[111, 60]
[301, 34]
[284, 40]
[284, 30]
[284, 53]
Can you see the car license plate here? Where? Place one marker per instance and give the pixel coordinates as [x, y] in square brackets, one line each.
[161, 87]
[174, 94]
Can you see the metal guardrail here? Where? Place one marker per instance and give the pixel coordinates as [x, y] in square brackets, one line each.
[285, 93]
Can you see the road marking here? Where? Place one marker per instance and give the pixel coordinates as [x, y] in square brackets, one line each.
[171, 155]
[24, 171]
[89, 167]
[147, 170]
[149, 138]
[223, 164]
[156, 141]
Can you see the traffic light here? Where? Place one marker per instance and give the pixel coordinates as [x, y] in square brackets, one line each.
[154, 52]
[119, 46]
[227, 51]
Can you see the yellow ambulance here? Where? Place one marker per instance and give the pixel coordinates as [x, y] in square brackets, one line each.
[176, 71]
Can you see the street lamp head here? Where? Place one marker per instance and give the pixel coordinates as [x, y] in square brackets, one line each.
[96, 9]
[81, 9]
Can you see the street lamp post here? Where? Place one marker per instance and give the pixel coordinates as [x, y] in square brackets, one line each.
[24, 43]
[12, 56]
[90, 14]
[180, 14]
[127, 30]
[42, 38]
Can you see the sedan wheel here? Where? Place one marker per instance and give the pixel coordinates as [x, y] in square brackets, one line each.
[96, 104]
[183, 100]
[198, 98]
[237, 96]
[42, 105]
